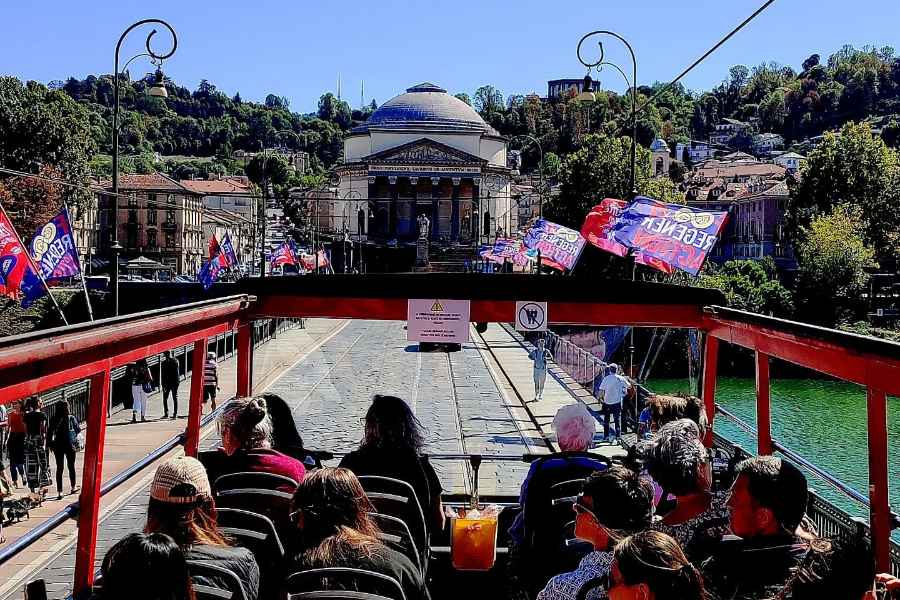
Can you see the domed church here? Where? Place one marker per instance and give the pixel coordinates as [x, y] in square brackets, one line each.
[427, 153]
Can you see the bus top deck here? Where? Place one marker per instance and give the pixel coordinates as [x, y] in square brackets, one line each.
[37, 362]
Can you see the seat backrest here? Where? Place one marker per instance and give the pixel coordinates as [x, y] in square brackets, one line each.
[260, 493]
[212, 582]
[336, 595]
[252, 531]
[397, 499]
[395, 533]
[259, 480]
[346, 579]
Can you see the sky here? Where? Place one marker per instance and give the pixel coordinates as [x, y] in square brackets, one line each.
[296, 49]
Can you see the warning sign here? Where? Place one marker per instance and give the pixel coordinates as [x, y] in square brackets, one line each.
[433, 320]
[531, 316]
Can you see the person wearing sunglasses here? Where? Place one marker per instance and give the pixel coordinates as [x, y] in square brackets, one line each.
[651, 566]
[613, 504]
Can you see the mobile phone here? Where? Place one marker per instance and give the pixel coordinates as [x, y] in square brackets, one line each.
[36, 590]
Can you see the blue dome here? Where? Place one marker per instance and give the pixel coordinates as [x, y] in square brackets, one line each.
[426, 106]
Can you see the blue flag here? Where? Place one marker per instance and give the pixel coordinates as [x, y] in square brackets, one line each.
[228, 252]
[209, 273]
[558, 246]
[55, 254]
[680, 236]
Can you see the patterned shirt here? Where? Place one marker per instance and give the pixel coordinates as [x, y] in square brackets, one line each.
[210, 373]
[684, 532]
[567, 585]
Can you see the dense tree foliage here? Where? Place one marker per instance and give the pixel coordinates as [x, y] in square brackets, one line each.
[750, 285]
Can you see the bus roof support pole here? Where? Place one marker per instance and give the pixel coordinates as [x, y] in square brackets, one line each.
[880, 510]
[92, 478]
[244, 360]
[710, 366]
[192, 435]
[763, 406]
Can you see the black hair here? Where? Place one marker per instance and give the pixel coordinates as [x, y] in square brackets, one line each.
[31, 404]
[831, 569]
[146, 566]
[284, 429]
[62, 409]
[655, 559]
[625, 496]
[391, 424]
[777, 485]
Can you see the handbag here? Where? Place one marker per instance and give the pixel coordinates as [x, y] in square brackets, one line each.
[147, 386]
[75, 439]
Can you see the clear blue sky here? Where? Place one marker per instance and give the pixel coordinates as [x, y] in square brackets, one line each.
[296, 48]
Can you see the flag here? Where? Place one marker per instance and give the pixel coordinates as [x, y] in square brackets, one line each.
[308, 261]
[487, 253]
[282, 255]
[215, 250]
[228, 252]
[210, 273]
[55, 254]
[13, 260]
[597, 230]
[559, 246]
[680, 236]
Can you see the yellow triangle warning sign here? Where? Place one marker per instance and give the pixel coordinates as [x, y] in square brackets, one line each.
[436, 307]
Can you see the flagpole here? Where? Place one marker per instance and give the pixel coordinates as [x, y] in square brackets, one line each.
[31, 262]
[87, 298]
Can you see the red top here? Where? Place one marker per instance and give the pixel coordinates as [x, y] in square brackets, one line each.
[14, 421]
[264, 459]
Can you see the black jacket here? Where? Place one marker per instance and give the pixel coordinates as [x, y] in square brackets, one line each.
[747, 569]
[169, 375]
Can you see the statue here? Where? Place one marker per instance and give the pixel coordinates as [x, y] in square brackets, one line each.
[423, 227]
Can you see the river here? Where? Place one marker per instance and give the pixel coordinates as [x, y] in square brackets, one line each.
[822, 421]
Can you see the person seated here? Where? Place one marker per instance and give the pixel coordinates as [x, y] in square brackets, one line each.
[614, 504]
[285, 437]
[146, 566]
[651, 566]
[678, 461]
[392, 448]
[831, 569]
[182, 507]
[247, 440]
[766, 505]
[334, 529]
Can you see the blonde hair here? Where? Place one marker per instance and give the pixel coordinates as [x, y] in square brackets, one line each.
[248, 421]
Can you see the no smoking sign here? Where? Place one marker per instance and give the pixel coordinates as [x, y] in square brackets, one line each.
[531, 316]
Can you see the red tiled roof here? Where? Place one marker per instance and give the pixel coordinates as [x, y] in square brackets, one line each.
[220, 186]
[149, 181]
[741, 170]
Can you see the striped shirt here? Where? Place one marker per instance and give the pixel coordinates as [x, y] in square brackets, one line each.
[210, 373]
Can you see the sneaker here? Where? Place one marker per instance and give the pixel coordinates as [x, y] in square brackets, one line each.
[134, 418]
[174, 417]
[165, 415]
[143, 420]
[59, 497]
[76, 489]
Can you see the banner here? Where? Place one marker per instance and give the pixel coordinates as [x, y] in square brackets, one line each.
[55, 254]
[214, 249]
[560, 245]
[282, 254]
[680, 236]
[487, 253]
[597, 230]
[308, 261]
[210, 273]
[228, 252]
[13, 260]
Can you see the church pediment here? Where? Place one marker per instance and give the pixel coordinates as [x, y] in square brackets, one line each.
[423, 151]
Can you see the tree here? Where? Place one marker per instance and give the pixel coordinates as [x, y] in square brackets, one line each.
[677, 171]
[811, 62]
[273, 101]
[750, 285]
[464, 97]
[891, 134]
[271, 169]
[551, 165]
[488, 102]
[856, 169]
[31, 202]
[832, 260]
[39, 127]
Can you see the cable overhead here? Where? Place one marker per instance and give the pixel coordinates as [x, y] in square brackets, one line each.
[718, 45]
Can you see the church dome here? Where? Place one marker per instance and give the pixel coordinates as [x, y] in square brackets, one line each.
[659, 144]
[426, 106]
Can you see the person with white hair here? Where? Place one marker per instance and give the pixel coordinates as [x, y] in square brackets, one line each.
[210, 379]
[540, 355]
[612, 391]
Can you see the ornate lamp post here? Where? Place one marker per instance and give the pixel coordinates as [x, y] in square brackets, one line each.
[587, 94]
[159, 91]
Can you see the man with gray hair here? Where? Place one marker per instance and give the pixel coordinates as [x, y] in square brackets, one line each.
[612, 391]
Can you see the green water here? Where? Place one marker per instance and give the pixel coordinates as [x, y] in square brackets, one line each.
[822, 421]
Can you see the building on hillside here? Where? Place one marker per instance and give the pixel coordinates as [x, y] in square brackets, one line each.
[791, 161]
[731, 126]
[697, 151]
[425, 153]
[764, 143]
[85, 221]
[555, 87]
[297, 158]
[762, 226]
[661, 156]
[736, 172]
[738, 157]
[161, 219]
[719, 196]
[240, 230]
[234, 193]
[720, 138]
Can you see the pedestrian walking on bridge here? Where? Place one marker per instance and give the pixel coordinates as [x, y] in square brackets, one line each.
[170, 377]
[540, 356]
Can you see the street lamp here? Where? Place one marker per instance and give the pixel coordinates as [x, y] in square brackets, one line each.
[345, 222]
[587, 93]
[158, 91]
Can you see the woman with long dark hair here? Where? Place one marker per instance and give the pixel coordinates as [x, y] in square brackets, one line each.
[391, 448]
[16, 442]
[37, 470]
[146, 566]
[181, 506]
[62, 426]
[334, 529]
[285, 437]
[651, 566]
